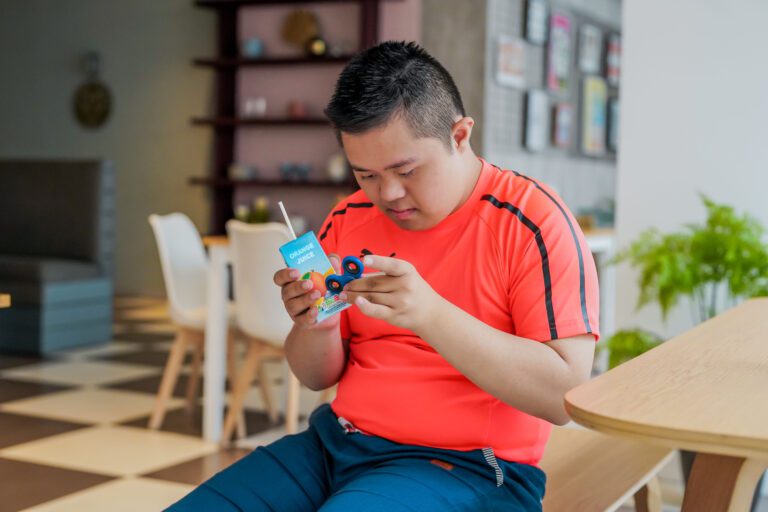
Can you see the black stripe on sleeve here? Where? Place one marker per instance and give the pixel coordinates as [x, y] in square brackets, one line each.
[342, 212]
[542, 251]
[582, 283]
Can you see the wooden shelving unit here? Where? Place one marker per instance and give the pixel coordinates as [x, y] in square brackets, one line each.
[225, 120]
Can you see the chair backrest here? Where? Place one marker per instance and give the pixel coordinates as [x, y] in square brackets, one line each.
[183, 260]
[255, 259]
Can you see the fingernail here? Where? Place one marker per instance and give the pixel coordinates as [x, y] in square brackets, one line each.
[306, 285]
[315, 294]
[343, 296]
[360, 300]
[367, 260]
[294, 274]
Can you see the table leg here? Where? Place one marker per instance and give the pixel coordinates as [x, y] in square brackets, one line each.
[216, 326]
[719, 483]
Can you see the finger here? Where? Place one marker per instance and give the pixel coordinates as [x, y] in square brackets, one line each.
[373, 283]
[335, 262]
[285, 276]
[383, 299]
[308, 318]
[373, 310]
[295, 289]
[391, 266]
[298, 305]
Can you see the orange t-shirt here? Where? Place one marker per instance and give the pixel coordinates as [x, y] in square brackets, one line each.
[512, 256]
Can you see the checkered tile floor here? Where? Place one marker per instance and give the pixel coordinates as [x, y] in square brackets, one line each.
[73, 433]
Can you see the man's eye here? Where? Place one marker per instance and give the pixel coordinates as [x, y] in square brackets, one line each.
[406, 174]
[364, 177]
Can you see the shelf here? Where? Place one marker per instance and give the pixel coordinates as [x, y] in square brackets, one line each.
[228, 183]
[224, 122]
[236, 62]
[229, 4]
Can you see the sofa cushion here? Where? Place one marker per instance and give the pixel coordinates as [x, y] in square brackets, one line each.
[28, 268]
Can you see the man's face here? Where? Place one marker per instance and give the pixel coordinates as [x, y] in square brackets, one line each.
[412, 180]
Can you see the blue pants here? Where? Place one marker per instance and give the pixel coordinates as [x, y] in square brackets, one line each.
[333, 468]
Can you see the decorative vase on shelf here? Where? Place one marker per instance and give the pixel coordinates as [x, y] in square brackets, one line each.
[337, 169]
[253, 48]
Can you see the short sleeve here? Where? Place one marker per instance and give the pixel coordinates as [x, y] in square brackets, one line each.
[554, 289]
[328, 237]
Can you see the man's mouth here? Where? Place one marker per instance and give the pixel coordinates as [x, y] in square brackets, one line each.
[402, 214]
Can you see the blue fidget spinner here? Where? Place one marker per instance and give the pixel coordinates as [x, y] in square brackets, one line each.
[353, 269]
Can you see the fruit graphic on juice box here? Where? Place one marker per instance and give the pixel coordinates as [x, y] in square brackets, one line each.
[318, 281]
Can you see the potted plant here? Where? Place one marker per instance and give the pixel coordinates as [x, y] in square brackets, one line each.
[715, 265]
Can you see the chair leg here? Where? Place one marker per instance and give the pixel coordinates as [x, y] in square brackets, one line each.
[232, 378]
[170, 375]
[265, 388]
[193, 386]
[327, 395]
[648, 497]
[292, 407]
[247, 371]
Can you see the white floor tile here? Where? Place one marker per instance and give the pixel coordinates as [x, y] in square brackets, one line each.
[124, 495]
[88, 405]
[80, 372]
[119, 451]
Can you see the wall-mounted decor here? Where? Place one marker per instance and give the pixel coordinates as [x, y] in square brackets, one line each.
[559, 54]
[536, 120]
[593, 116]
[536, 21]
[562, 125]
[613, 60]
[590, 49]
[613, 125]
[510, 61]
[92, 102]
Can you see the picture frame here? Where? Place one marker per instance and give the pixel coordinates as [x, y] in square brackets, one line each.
[510, 61]
[536, 115]
[613, 125]
[593, 116]
[535, 16]
[590, 49]
[613, 60]
[562, 125]
[559, 53]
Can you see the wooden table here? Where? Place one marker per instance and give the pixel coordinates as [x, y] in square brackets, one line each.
[5, 301]
[705, 391]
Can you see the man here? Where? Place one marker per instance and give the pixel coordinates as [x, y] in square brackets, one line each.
[453, 362]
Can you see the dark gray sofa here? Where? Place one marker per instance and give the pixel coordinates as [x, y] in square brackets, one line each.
[56, 253]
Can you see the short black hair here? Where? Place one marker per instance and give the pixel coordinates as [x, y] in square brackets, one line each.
[395, 78]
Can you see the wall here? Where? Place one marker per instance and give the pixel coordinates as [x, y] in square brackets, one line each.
[693, 120]
[582, 182]
[146, 48]
[453, 31]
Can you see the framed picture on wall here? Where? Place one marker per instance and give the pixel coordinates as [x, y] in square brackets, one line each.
[613, 60]
[535, 17]
[562, 125]
[613, 125]
[510, 61]
[536, 118]
[559, 53]
[590, 49]
[593, 116]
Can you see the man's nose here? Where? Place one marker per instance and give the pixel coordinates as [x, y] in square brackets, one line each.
[391, 190]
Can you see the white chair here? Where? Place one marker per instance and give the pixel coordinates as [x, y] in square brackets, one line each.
[260, 316]
[185, 266]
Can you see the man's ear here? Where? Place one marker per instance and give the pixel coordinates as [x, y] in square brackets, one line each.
[461, 132]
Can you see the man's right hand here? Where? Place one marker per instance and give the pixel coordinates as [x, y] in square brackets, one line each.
[299, 297]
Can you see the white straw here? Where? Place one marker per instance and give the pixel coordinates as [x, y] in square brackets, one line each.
[287, 220]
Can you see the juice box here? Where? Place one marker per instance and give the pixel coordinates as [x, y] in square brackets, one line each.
[307, 256]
